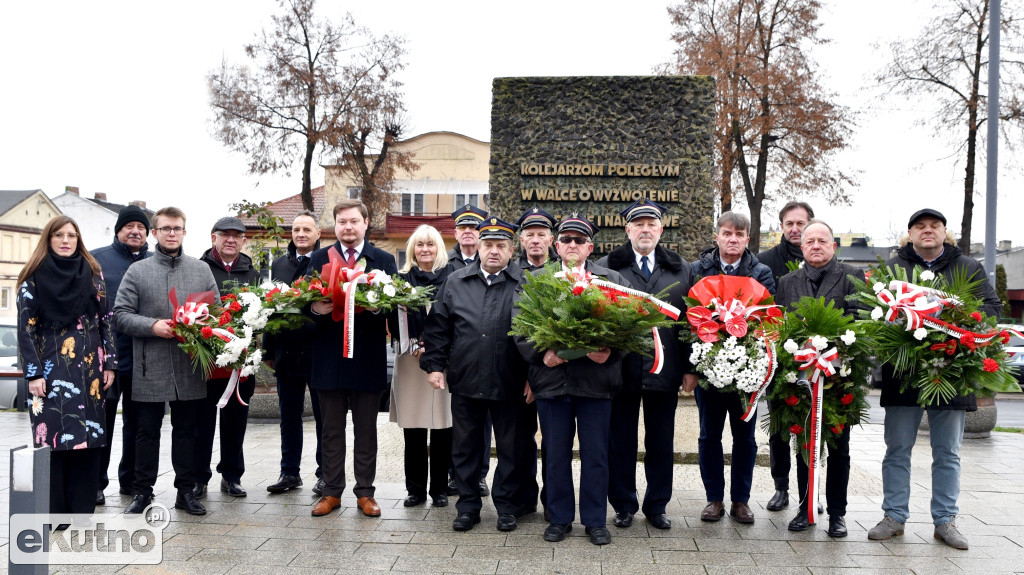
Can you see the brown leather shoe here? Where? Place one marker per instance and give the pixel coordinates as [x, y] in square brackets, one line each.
[741, 513]
[325, 505]
[713, 512]
[368, 506]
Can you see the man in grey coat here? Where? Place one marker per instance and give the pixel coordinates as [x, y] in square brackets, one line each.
[162, 371]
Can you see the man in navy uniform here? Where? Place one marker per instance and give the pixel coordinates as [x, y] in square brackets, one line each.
[467, 218]
[649, 267]
[536, 239]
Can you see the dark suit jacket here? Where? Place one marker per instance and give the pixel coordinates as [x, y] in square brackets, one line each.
[367, 369]
[835, 286]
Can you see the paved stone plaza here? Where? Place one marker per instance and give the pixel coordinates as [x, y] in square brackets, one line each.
[275, 534]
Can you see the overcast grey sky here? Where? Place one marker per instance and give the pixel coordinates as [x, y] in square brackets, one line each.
[112, 96]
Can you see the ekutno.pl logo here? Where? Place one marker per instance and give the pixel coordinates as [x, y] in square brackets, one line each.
[79, 539]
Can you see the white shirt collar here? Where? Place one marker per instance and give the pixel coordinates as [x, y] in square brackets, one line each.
[650, 260]
[359, 249]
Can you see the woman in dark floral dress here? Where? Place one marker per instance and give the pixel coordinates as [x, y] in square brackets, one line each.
[65, 344]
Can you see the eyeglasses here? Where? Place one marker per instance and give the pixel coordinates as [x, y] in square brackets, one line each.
[573, 240]
[167, 230]
[64, 236]
[234, 235]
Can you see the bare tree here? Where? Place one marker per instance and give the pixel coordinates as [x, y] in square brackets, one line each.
[313, 86]
[948, 61]
[776, 126]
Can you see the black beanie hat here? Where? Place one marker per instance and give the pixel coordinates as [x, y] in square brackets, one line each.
[131, 214]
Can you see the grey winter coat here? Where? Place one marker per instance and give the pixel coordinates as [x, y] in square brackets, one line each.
[162, 372]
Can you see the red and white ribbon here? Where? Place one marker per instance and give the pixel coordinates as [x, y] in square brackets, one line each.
[821, 362]
[755, 397]
[813, 463]
[663, 307]
[910, 299]
[192, 312]
[232, 387]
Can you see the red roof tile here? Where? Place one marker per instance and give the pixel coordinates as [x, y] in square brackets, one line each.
[290, 207]
[406, 225]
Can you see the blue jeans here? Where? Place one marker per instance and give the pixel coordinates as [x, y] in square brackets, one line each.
[947, 433]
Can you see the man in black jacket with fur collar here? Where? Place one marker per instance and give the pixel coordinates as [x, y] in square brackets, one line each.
[649, 267]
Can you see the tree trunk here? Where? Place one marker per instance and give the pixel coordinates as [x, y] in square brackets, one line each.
[307, 163]
[972, 135]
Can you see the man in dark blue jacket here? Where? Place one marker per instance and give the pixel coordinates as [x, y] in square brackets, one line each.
[467, 349]
[350, 384]
[129, 246]
[648, 267]
[928, 249]
[729, 257]
[290, 355]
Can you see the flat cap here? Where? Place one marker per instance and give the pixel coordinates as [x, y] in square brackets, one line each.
[229, 223]
[926, 213]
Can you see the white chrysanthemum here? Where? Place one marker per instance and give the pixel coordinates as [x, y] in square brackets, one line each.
[791, 377]
[372, 297]
[876, 314]
[844, 370]
[879, 286]
[920, 333]
[389, 290]
[790, 346]
[849, 337]
[412, 290]
[819, 342]
[927, 276]
[268, 285]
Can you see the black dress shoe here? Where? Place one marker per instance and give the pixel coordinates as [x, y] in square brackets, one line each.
[414, 500]
[439, 500]
[284, 483]
[465, 522]
[836, 526]
[199, 491]
[231, 488]
[779, 501]
[139, 504]
[187, 502]
[623, 519]
[506, 522]
[101, 499]
[599, 535]
[800, 522]
[555, 532]
[660, 521]
[318, 488]
[483, 490]
[452, 488]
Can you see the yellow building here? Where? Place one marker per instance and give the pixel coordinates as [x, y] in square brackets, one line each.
[23, 213]
[453, 171]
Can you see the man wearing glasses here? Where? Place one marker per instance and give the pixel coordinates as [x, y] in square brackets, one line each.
[162, 371]
[230, 268]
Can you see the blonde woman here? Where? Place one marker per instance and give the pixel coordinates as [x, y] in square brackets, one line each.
[415, 405]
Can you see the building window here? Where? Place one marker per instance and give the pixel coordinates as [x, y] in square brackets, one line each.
[355, 193]
[412, 204]
[401, 259]
[463, 199]
[5, 298]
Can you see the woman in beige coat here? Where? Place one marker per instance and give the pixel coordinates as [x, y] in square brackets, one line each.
[415, 405]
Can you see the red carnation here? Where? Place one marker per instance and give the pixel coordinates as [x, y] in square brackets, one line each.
[207, 332]
[577, 290]
[837, 429]
[235, 306]
[796, 429]
[231, 330]
[967, 340]
[847, 399]
[990, 365]
[976, 316]
[225, 318]
[792, 400]
[1005, 337]
[228, 297]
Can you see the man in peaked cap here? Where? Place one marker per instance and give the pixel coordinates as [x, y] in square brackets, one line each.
[467, 348]
[467, 219]
[649, 267]
[575, 395]
[536, 236]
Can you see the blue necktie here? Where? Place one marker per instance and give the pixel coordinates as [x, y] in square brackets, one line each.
[491, 278]
[728, 269]
[645, 270]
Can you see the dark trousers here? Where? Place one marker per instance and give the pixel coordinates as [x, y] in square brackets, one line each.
[659, 423]
[291, 394]
[122, 389]
[74, 479]
[184, 418]
[838, 477]
[418, 465]
[560, 419]
[485, 457]
[526, 460]
[469, 416]
[334, 407]
[713, 407]
[233, 418]
[779, 457]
